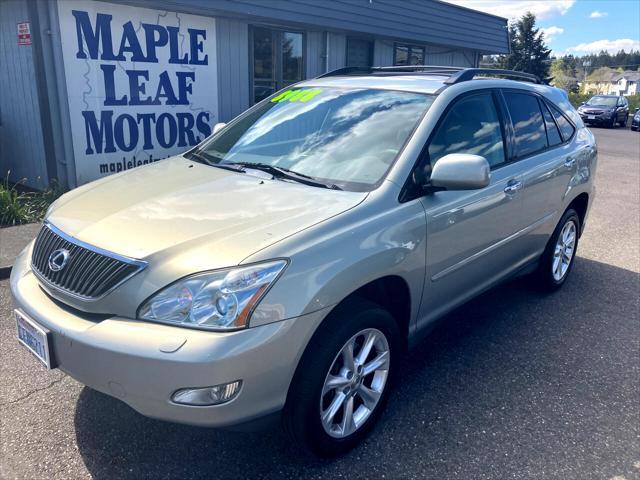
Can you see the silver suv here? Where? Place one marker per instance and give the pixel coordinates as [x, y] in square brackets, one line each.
[282, 267]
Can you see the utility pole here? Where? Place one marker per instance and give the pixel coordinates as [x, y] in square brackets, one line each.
[585, 64]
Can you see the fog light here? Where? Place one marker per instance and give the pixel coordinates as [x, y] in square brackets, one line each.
[208, 395]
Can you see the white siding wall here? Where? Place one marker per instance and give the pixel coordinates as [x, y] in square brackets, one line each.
[315, 56]
[21, 141]
[232, 45]
[337, 50]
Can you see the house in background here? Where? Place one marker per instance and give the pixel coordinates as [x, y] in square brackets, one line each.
[599, 82]
[607, 81]
[89, 88]
[625, 83]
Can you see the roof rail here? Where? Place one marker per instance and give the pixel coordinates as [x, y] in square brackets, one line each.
[394, 69]
[471, 73]
[455, 74]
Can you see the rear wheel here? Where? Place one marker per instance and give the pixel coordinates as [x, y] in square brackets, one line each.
[343, 379]
[558, 258]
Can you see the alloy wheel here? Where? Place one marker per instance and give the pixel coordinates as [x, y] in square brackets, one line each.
[355, 382]
[564, 250]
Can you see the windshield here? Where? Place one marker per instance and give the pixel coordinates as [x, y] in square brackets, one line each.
[606, 101]
[345, 137]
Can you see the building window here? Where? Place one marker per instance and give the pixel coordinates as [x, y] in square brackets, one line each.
[277, 60]
[359, 52]
[405, 54]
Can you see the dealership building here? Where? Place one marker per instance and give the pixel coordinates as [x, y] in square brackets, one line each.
[89, 88]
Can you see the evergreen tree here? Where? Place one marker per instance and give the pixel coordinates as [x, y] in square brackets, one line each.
[528, 51]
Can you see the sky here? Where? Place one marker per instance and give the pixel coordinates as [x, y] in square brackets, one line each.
[577, 27]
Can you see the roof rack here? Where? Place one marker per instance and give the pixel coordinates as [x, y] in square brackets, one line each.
[455, 74]
[470, 73]
[398, 69]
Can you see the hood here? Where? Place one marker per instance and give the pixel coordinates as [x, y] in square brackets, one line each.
[177, 205]
[600, 107]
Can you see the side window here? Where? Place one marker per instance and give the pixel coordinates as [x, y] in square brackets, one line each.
[527, 121]
[470, 126]
[566, 128]
[553, 134]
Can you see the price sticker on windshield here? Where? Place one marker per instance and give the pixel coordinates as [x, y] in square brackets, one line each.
[302, 95]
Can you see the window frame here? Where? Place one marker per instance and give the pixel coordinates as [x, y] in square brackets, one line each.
[276, 38]
[411, 191]
[541, 101]
[550, 105]
[514, 149]
[410, 47]
[369, 40]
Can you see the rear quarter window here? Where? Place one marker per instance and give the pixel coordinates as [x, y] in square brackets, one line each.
[528, 123]
[566, 128]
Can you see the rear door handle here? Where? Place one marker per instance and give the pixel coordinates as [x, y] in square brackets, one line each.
[570, 162]
[513, 187]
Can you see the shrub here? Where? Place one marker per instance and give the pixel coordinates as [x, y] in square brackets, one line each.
[18, 206]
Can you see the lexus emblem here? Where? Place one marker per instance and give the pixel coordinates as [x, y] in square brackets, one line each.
[58, 259]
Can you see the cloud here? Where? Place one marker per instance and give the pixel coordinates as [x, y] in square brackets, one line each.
[543, 9]
[611, 46]
[597, 14]
[551, 32]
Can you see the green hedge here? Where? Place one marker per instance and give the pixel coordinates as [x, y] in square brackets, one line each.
[576, 100]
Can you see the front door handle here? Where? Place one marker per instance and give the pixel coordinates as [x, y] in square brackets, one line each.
[570, 162]
[513, 187]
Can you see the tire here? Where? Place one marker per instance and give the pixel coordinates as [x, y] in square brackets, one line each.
[612, 123]
[547, 277]
[306, 402]
[623, 122]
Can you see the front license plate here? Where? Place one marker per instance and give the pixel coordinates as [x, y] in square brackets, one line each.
[591, 117]
[34, 337]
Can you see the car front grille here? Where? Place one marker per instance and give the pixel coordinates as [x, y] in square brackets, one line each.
[87, 272]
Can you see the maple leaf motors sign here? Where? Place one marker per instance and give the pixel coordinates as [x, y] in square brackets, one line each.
[141, 84]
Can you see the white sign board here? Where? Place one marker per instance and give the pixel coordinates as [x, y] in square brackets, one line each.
[142, 84]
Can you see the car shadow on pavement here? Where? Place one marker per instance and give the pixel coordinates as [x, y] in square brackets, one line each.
[502, 383]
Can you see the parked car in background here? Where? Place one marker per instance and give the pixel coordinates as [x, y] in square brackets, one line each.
[281, 267]
[635, 122]
[607, 110]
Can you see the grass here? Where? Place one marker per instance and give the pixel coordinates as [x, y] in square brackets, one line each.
[18, 205]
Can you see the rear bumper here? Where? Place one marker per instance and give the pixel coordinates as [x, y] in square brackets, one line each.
[133, 360]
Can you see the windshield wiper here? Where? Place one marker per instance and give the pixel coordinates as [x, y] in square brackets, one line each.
[280, 172]
[201, 158]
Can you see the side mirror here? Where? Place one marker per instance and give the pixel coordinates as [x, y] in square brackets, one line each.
[218, 127]
[583, 103]
[637, 110]
[461, 171]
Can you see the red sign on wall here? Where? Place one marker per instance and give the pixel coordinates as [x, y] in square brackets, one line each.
[24, 33]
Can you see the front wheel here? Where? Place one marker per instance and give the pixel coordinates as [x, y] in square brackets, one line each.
[343, 380]
[623, 122]
[558, 258]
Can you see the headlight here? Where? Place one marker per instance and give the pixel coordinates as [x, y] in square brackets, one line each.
[218, 300]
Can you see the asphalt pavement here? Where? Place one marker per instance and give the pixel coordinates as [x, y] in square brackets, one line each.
[514, 385]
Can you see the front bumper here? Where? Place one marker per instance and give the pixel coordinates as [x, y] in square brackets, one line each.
[597, 120]
[143, 363]
[635, 124]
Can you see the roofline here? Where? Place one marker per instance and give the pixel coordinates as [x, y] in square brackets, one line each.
[468, 9]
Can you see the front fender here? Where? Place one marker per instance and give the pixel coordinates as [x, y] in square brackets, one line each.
[330, 261]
